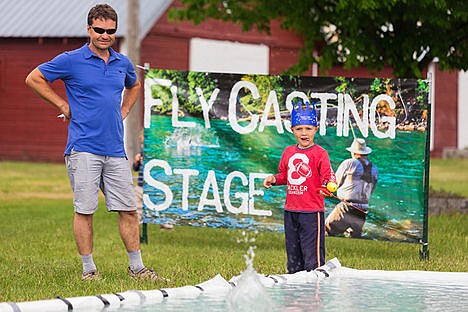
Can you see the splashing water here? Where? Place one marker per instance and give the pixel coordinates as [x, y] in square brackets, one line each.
[183, 139]
[249, 293]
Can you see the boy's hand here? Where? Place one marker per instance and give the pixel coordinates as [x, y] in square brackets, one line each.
[269, 181]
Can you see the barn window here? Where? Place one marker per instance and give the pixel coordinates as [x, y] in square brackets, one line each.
[228, 57]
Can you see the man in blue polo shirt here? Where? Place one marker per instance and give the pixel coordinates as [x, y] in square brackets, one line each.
[94, 77]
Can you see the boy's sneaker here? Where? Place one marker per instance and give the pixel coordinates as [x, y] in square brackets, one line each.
[91, 276]
[146, 274]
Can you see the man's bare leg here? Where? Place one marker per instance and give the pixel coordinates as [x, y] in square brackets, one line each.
[129, 228]
[83, 232]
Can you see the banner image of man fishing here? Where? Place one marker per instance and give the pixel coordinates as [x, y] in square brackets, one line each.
[211, 138]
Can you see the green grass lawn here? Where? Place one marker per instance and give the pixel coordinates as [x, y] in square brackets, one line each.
[449, 175]
[39, 260]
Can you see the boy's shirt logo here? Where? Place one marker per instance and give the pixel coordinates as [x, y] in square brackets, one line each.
[303, 170]
[298, 169]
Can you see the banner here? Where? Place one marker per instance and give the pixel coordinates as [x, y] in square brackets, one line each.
[211, 138]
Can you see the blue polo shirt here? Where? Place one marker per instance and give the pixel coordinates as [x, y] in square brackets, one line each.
[94, 92]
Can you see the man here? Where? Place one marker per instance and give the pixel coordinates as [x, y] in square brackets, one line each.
[94, 77]
[356, 178]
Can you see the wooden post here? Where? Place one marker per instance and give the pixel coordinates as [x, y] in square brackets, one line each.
[134, 120]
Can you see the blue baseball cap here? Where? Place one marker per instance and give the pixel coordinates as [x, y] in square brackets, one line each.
[301, 115]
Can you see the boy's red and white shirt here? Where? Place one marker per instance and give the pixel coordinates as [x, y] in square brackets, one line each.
[304, 171]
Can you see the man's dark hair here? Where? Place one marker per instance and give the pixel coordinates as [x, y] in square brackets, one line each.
[102, 11]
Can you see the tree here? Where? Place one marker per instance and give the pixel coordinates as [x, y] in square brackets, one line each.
[404, 34]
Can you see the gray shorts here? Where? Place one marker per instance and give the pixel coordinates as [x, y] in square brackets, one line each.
[89, 172]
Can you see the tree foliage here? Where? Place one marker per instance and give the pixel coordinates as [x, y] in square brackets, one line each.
[403, 34]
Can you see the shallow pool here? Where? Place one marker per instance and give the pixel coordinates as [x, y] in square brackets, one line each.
[328, 288]
[349, 290]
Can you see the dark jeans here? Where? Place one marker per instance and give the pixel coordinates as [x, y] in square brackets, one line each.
[305, 240]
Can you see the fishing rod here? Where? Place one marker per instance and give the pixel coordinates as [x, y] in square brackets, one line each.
[326, 192]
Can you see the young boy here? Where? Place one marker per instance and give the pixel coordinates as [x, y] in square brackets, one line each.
[305, 168]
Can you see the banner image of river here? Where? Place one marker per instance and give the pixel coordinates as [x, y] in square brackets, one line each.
[210, 139]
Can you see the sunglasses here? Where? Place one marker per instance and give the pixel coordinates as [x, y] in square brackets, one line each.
[99, 30]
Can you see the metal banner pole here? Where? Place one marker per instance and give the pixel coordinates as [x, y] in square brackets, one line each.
[424, 252]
